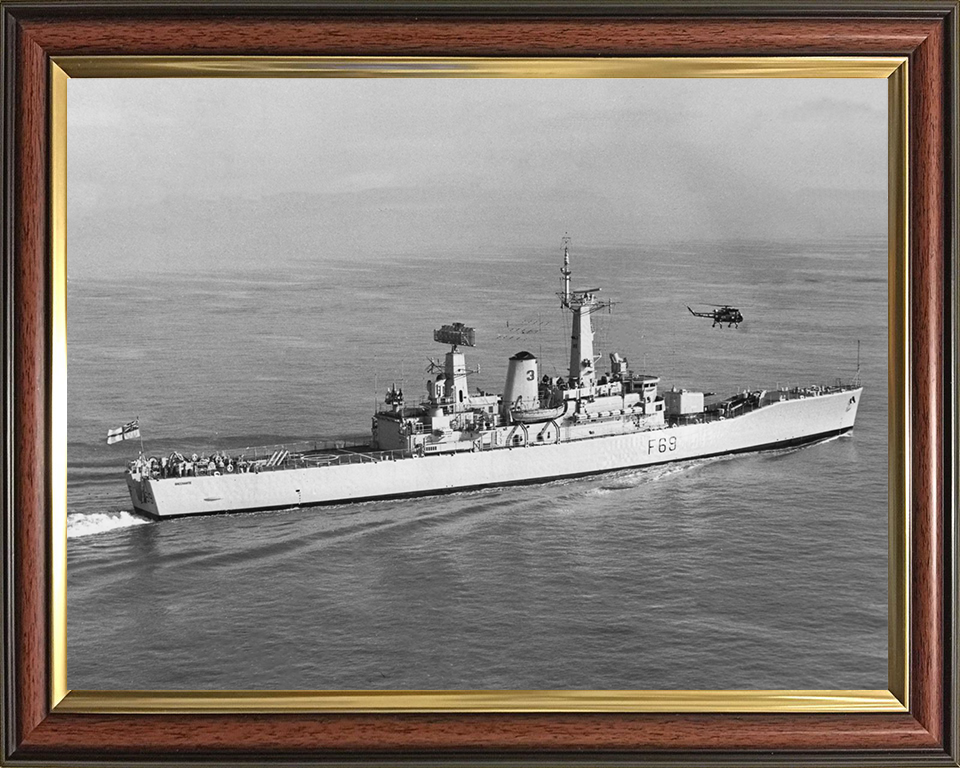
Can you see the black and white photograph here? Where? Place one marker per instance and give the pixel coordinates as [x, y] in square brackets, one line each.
[477, 384]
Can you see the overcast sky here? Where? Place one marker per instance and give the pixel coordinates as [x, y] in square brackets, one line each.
[179, 173]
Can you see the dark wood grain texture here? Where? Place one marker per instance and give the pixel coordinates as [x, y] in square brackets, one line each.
[296, 736]
[443, 36]
[30, 417]
[928, 265]
[921, 737]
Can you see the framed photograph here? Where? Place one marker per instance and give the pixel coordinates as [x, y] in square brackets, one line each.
[452, 384]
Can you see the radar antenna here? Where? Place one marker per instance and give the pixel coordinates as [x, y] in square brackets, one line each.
[456, 335]
[582, 300]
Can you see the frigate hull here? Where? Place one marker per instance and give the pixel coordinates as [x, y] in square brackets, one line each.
[777, 425]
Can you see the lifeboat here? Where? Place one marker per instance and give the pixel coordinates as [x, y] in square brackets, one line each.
[533, 415]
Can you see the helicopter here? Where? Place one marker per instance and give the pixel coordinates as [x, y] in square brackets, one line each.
[722, 314]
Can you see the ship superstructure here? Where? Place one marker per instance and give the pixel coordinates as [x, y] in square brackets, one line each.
[540, 428]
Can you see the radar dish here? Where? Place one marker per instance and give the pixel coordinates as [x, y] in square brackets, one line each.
[458, 334]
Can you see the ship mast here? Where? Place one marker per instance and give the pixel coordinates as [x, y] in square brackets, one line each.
[582, 304]
[856, 378]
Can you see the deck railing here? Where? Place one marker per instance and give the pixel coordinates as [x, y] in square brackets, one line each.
[340, 452]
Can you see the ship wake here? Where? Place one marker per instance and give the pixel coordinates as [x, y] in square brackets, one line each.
[81, 524]
[631, 478]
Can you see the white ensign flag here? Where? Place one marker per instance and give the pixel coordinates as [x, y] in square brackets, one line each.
[128, 431]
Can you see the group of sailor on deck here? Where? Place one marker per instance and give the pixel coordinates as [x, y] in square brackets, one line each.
[177, 465]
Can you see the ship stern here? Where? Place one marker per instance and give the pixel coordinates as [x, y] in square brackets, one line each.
[141, 494]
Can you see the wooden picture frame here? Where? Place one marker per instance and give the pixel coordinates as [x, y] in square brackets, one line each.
[39, 727]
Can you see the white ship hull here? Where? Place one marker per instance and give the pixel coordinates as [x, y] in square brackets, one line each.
[778, 425]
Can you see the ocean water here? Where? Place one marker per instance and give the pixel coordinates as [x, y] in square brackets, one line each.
[757, 571]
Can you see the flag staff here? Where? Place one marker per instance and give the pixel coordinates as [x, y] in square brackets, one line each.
[140, 434]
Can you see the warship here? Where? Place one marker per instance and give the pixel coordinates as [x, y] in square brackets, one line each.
[540, 428]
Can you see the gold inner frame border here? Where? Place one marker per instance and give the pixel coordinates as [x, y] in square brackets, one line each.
[894, 699]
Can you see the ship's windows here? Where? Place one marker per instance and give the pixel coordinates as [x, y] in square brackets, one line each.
[461, 395]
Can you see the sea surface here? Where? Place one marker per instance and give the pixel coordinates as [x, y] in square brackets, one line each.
[757, 571]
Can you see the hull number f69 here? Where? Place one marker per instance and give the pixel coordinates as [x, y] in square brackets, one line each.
[662, 445]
